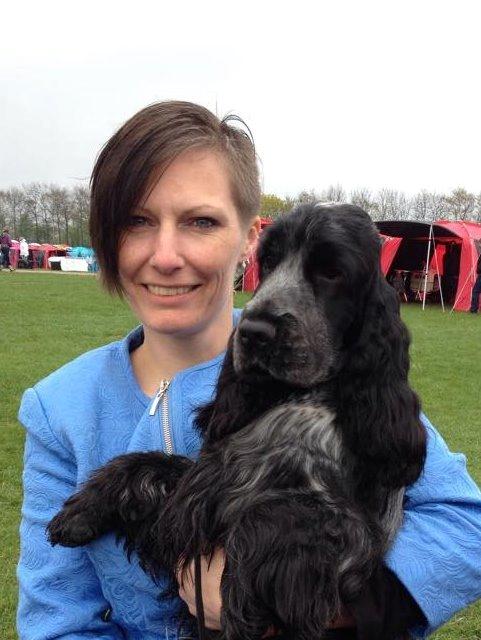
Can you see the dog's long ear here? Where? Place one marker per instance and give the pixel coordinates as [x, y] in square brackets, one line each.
[219, 417]
[379, 412]
[237, 401]
[231, 407]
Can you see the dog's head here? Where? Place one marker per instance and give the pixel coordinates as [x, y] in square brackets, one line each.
[319, 265]
[324, 315]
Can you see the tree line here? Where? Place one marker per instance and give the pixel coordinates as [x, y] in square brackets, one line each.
[42, 213]
[59, 215]
[388, 204]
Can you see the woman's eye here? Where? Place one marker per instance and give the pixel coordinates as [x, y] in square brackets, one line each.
[204, 223]
[137, 221]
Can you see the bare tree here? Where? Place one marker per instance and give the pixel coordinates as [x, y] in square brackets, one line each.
[80, 214]
[3, 209]
[363, 198]
[403, 206]
[382, 205]
[290, 202]
[33, 194]
[307, 197]
[437, 206]
[59, 209]
[421, 206]
[14, 201]
[333, 193]
[390, 204]
[461, 204]
[478, 208]
[46, 211]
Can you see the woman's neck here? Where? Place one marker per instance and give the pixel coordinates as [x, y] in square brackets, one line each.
[161, 357]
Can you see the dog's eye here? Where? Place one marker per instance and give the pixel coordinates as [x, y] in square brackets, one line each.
[329, 272]
[322, 265]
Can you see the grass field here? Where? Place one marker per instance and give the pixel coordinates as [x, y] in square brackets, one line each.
[48, 318]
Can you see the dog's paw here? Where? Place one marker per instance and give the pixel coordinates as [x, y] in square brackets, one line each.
[72, 529]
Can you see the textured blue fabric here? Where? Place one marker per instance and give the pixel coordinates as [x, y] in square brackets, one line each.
[437, 553]
[92, 410]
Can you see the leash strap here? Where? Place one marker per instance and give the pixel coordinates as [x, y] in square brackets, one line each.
[199, 604]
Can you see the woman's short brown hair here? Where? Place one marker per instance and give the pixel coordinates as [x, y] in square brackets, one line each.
[150, 140]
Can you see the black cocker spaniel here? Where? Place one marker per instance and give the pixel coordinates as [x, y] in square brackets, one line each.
[309, 443]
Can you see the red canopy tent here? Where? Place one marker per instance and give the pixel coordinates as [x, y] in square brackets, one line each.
[50, 250]
[446, 249]
[251, 273]
[389, 249]
[34, 250]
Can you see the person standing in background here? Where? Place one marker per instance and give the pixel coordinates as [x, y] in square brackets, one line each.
[23, 249]
[477, 288]
[6, 243]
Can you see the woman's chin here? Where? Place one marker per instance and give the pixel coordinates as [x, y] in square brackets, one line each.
[175, 323]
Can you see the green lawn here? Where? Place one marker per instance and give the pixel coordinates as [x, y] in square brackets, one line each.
[48, 318]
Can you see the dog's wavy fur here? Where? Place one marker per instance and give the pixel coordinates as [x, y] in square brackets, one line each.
[309, 442]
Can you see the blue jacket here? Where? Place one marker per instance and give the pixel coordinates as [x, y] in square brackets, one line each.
[92, 410]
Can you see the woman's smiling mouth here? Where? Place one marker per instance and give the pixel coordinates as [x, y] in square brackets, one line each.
[157, 290]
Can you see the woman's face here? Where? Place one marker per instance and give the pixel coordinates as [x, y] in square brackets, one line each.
[178, 256]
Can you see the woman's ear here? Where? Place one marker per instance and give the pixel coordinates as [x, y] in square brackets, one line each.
[252, 237]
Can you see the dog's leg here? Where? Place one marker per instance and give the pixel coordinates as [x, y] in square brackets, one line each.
[291, 562]
[125, 496]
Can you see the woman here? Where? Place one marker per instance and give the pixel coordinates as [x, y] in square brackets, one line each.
[175, 196]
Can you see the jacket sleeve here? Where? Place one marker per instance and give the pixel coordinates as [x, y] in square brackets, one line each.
[436, 554]
[60, 595]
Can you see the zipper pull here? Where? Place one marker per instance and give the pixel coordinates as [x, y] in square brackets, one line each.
[164, 385]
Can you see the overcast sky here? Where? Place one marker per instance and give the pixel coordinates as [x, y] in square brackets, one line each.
[364, 93]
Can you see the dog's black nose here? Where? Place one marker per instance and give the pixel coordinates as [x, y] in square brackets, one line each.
[256, 332]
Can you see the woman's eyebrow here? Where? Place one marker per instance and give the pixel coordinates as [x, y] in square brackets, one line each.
[203, 207]
[195, 209]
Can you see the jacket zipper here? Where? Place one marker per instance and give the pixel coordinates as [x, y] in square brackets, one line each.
[161, 397]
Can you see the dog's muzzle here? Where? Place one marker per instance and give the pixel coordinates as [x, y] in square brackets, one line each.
[256, 344]
[256, 333]
[277, 345]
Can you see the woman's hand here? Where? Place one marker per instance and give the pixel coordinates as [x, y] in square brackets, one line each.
[211, 577]
[211, 573]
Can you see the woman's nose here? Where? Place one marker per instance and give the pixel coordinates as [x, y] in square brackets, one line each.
[166, 251]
